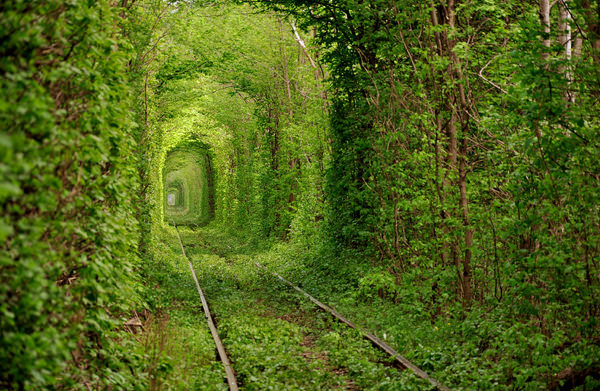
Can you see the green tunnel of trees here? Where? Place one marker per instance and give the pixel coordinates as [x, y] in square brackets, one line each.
[188, 184]
[439, 161]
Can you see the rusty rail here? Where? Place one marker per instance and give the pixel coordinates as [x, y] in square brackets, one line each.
[231, 380]
[371, 337]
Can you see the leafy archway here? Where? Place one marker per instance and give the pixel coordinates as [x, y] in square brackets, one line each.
[188, 185]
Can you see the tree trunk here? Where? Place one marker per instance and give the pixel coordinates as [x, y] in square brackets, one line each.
[457, 107]
[566, 40]
[544, 11]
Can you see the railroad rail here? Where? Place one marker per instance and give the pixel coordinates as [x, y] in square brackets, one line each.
[231, 380]
[376, 341]
[367, 335]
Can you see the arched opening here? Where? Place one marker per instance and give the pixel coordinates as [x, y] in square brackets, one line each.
[188, 185]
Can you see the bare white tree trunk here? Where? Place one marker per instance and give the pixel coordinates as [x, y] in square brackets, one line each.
[303, 46]
[565, 38]
[545, 21]
[564, 26]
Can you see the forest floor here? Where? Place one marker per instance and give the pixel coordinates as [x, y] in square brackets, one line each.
[275, 338]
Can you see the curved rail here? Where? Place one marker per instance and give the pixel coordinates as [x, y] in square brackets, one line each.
[231, 380]
[371, 337]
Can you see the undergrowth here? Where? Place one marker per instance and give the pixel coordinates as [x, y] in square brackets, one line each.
[484, 348]
[176, 340]
[275, 339]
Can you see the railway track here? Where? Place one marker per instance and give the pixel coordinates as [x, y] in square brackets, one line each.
[231, 380]
[400, 361]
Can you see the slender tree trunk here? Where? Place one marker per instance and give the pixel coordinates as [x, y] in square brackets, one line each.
[544, 11]
[566, 40]
[145, 103]
[564, 27]
[457, 107]
[442, 160]
[292, 196]
[303, 48]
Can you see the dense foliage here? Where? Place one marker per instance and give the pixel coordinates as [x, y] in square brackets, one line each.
[465, 155]
[239, 82]
[431, 167]
[437, 163]
[188, 181]
[67, 191]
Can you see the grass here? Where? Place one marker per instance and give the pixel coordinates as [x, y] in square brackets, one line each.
[481, 349]
[176, 339]
[276, 340]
